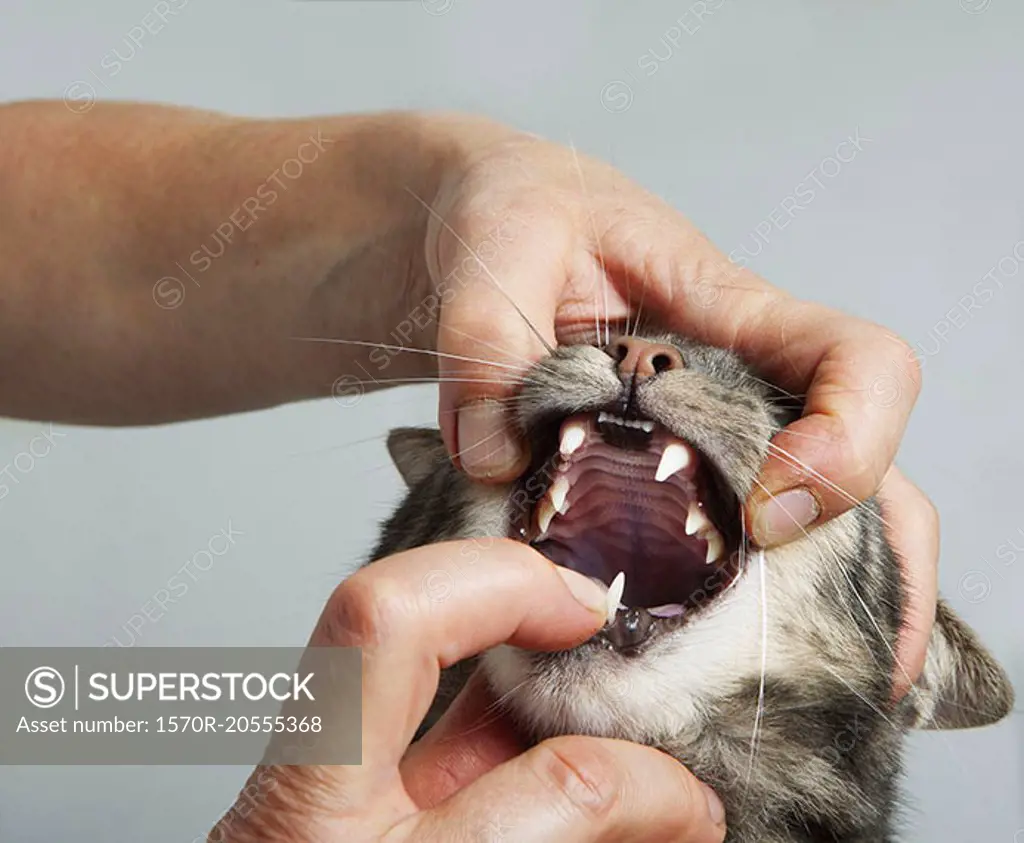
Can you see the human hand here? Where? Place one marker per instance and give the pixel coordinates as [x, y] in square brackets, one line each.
[531, 245]
[468, 779]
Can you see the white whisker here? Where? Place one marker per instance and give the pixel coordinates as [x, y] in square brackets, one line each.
[478, 443]
[794, 461]
[770, 431]
[404, 381]
[483, 266]
[843, 593]
[527, 362]
[491, 714]
[836, 675]
[860, 599]
[600, 252]
[643, 295]
[777, 388]
[401, 348]
[759, 716]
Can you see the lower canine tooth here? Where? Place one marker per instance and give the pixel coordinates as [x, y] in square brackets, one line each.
[676, 456]
[615, 591]
[716, 544]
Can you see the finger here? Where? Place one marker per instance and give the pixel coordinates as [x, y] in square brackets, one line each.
[858, 381]
[572, 789]
[422, 610]
[499, 281]
[913, 532]
[472, 737]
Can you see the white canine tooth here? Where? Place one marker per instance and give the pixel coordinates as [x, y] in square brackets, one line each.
[559, 491]
[716, 545]
[545, 512]
[676, 456]
[695, 519]
[615, 591]
[648, 426]
[573, 435]
[602, 417]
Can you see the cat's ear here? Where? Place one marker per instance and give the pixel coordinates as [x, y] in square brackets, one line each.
[417, 452]
[962, 686]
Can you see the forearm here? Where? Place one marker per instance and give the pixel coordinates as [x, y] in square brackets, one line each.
[158, 262]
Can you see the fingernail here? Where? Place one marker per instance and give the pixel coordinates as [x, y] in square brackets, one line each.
[715, 806]
[584, 589]
[487, 448]
[784, 516]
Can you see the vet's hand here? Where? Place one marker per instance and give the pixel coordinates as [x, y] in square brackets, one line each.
[541, 245]
[468, 780]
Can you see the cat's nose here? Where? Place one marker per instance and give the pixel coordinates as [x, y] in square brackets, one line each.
[640, 359]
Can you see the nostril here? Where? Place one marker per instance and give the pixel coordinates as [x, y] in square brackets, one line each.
[661, 362]
[620, 350]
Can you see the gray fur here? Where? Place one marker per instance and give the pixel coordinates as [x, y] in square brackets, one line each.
[826, 760]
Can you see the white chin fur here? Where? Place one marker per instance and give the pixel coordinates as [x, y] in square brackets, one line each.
[661, 692]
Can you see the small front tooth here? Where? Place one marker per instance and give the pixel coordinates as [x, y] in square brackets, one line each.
[676, 456]
[615, 591]
[559, 491]
[573, 435]
[716, 544]
[696, 519]
[545, 512]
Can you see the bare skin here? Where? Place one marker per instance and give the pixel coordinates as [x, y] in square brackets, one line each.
[162, 264]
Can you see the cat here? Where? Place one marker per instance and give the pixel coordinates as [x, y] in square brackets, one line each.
[767, 673]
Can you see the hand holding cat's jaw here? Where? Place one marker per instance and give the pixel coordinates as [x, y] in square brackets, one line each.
[424, 609]
[543, 247]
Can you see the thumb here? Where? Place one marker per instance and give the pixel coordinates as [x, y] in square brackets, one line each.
[577, 788]
[472, 737]
[499, 284]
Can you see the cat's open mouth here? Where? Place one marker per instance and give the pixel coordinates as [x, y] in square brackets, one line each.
[626, 495]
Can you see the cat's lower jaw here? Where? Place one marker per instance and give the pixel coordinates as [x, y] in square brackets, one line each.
[596, 690]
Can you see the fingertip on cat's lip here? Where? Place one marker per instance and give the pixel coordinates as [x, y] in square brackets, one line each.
[488, 450]
[777, 518]
[504, 473]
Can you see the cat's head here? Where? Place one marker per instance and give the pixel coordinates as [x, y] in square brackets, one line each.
[642, 453]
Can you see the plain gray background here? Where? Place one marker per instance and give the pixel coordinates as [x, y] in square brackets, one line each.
[724, 116]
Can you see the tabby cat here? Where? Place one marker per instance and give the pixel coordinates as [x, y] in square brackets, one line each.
[768, 673]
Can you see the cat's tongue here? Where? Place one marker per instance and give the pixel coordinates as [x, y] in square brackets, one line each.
[628, 496]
